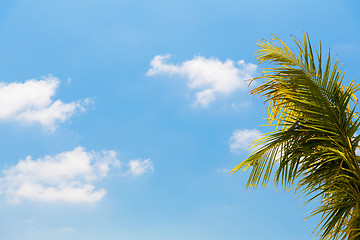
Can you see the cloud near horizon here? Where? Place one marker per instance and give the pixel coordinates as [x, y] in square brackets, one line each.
[65, 177]
[208, 77]
[31, 102]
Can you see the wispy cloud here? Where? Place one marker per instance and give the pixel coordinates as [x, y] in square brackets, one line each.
[31, 102]
[223, 170]
[65, 177]
[138, 167]
[208, 77]
[241, 139]
[29, 221]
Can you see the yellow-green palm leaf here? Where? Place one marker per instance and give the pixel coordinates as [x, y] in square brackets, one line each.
[315, 137]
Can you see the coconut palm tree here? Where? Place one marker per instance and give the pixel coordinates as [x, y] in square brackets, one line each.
[313, 145]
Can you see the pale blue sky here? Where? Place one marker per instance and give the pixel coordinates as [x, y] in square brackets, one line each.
[95, 148]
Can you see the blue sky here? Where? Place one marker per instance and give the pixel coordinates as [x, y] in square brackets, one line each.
[121, 119]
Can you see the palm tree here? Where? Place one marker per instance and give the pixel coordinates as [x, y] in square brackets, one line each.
[314, 142]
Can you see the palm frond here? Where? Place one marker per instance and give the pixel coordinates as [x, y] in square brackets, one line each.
[315, 137]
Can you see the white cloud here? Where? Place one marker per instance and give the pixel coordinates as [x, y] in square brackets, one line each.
[30, 102]
[208, 77]
[241, 139]
[138, 167]
[64, 177]
[223, 170]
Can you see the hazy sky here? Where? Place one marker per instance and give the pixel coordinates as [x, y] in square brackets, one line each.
[121, 119]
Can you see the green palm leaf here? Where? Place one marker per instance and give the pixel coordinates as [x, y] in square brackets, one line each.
[315, 137]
